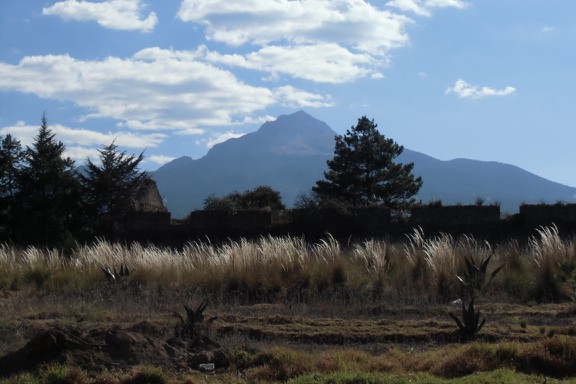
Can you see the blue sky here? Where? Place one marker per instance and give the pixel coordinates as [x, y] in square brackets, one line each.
[480, 79]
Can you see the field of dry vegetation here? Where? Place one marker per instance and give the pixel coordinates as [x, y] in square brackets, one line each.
[285, 310]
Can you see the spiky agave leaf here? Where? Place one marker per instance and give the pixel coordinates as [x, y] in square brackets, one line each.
[196, 316]
[463, 280]
[190, 314]
[110, 276]
[470, 323]
[476, 275]
[124, 271]
[484, 265]
[471, 266]
[458, 322]
[495, 272]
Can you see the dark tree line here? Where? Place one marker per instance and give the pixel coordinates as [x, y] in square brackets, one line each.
[45, 200]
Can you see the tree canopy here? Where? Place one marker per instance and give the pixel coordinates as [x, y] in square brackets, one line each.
[109, 188]
[363, 171]
[45, 201]
[48, 189]
[11, 158]
[260, 197]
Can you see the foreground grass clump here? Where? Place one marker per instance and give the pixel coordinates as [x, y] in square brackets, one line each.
[499, 376]
[60, 374]
[553, 357]
[551, 360]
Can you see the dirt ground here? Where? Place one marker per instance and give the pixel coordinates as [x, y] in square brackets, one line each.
[96, 344]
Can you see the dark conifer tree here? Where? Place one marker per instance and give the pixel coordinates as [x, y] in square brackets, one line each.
[11, 159]
[109, 189]
[363, 171]
[48, 191]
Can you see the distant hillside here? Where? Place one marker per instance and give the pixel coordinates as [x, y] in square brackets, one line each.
[290, 155]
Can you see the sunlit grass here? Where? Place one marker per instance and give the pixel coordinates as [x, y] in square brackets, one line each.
[288, 268]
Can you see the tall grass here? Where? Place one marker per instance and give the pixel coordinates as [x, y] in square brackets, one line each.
[420, 269]
[554, 261]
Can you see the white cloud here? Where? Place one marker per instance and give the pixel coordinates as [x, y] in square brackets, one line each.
[424, 7]
[447, 4]
[222, 138]
[294, 98]
[324, 63]
[159, 159]
[25, 134]
[113, 14]
[80, 154]
[155, 89]
[84, 137]
[415, 6]
[354, 23]
[326, 41]
[83, 143]
[464, 90]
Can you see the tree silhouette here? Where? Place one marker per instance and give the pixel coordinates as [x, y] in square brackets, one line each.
[260, 197]
[363, 171]
[109, 189]
[11, 158]
[48, 191]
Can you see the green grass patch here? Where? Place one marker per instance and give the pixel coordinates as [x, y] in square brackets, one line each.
[498, 376]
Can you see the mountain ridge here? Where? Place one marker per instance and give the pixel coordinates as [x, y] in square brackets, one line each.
[290, 154]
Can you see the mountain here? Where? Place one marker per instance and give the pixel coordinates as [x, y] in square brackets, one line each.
[290, 153]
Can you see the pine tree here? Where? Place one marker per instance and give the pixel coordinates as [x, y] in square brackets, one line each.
[363, 171]
[48, 194]
[11, 157]
[110, 188]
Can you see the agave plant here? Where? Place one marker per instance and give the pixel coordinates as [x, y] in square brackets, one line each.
[475, 275]
[195, 316]
[193, 327]
[112, 275]
[470, 324]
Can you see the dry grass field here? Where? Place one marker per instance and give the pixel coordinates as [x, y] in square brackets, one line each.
[284, 310]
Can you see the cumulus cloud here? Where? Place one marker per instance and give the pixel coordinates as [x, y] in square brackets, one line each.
[354, 23]
[424, 7]
[159, 159]
[222, 138]
[464, 90]
[155, 89]
[112, 14]
[294, 98]
[323, 63]
[83, 143]
[326, 41]
[79, 154]
[415, 6]
[447, 4]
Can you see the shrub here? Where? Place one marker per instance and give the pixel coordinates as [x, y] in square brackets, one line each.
[60, 374]
[147, 375]
[24, 378]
